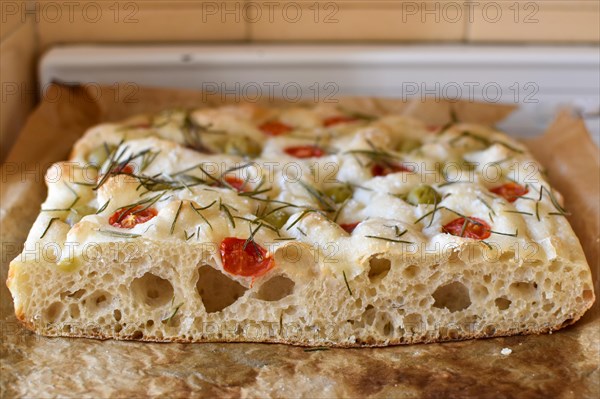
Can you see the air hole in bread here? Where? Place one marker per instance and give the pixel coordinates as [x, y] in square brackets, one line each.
[566, 322]
[97, 300]
[292, 310]
[118, 327]
[588, 295]
[489, 330]
[388, 329]
[216, 290]
[53, 312]
[502, 303]
[275, 289]
[480, 292]
[369, 315]
[411, 271]
[149, 323]
[77, 294]
[152, 290]
[419, 288]
[117, 314]
[74, 311]
[413, 323]
[508, 256]
[548, 307]
[378, 268]
[357, 303]
[522, 289]
[137, 335]
[453, 296]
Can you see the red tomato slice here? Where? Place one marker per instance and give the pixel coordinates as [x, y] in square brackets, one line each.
[126, 169]
[510, 191]
[239, 184]
[275, 128]
[305, 151]
[479, 230]
[349, 227]
[335, 120]
[388, 168]
[128, 218]
[248, 262]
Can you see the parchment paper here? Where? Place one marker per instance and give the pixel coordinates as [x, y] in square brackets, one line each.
[561, 365]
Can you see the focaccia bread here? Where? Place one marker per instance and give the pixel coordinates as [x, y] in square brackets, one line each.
[311, 225]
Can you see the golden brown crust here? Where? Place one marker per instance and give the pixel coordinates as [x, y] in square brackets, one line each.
[359, 344]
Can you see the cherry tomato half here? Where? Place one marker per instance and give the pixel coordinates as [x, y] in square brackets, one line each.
[349, 227]
[128, 218]
[275, 128]
[336, 120]
[238, 184]
[305, 151]
[470, 228]
[122, 169]
[248, 262]
[510, 191]
[384, 169]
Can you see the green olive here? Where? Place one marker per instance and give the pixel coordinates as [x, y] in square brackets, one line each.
[277, 218]
[100, 154]
[339, 193]
[242, 145]
[423, 194]
[409, 145]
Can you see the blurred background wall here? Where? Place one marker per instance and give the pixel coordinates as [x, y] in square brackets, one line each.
[29, 28]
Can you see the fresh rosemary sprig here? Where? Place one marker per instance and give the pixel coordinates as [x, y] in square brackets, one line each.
[515, 234]
[48, 226]
[519, 212]
[103, 207]
[339, 210]
[390, 240]
[486, 205]
[225, 209]
[325, 202]
[188, 237]
[251, 237]
[168, 319]
[300, 217]
[118, 234]
[485, 141]
[346, 281]
[175, 218]
[197, 210]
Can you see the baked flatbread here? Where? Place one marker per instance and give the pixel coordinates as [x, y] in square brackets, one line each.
[310, 225]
